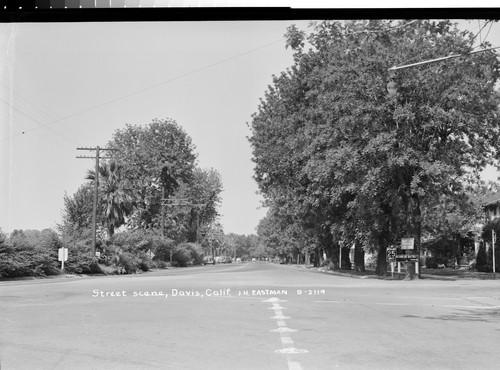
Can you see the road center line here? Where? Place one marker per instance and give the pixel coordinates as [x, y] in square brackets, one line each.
[294, 366]
[285, 338]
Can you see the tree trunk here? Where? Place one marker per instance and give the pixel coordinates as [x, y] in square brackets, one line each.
[111, 232]
[414, 231]
[359, 257]
[382, 252]
[346, 259]
[381, 259]
[317, 257]
[458, 255]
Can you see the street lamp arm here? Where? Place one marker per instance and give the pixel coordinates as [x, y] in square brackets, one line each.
[439, 59]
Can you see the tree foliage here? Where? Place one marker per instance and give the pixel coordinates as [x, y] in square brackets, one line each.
[115, 194]
[338, 154]
[77, 213]
[152, 186]
[158, 157]
[29, 253]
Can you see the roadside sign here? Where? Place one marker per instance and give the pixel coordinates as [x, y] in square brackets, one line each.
[391, 254]
[150, 254]
[63, 254]
[406, 257]
[407, 243]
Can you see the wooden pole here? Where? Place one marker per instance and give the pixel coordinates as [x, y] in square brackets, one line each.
[94, 205]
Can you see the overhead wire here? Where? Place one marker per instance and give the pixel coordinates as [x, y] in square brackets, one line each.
[60, 135]
[147, 88]
[479, 32]
[489, 29]
[27, 103]
[31, 101]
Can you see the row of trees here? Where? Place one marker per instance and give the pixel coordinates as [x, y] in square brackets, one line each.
[150, 181]
[149, 186]
[151, 191]
[341, 163]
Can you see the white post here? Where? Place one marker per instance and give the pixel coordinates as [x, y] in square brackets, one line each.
[493, 239]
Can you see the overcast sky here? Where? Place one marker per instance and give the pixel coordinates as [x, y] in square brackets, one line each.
[67, 85]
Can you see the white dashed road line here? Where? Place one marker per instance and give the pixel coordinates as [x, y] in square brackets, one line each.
[284, 332]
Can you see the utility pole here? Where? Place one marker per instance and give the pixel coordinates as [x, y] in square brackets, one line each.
[97, 150]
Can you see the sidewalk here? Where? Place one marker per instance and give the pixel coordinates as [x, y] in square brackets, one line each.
[434, 274]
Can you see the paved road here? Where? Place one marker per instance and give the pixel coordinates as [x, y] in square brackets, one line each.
[248, 316]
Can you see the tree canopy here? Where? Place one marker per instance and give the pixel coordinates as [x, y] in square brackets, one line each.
[150, 184]
[159, 156]
[334, 150]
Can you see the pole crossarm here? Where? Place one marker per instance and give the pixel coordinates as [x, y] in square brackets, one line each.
[395, 68]
[90, 148]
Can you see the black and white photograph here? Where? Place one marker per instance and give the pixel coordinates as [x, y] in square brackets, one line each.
[248, 187]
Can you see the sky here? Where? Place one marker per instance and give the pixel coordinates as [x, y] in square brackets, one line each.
[69, 85]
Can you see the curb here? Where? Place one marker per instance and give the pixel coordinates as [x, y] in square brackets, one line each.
[375, 277]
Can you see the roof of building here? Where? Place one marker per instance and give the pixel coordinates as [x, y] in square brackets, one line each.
[491, 200]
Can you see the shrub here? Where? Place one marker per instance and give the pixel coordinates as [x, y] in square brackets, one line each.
[181, 255]
[197, 253]
[30, 253]
[80, 259]
[160, 264]
[144, 261]
[108, 270]
[188, 253]
[129, 262]
[482, 260]
[431, 263]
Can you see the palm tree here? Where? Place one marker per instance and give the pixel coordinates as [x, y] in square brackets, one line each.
[118, 201]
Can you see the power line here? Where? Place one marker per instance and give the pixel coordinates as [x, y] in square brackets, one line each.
[30, 103]
[150, 87]
[479, 32]
[33, 119]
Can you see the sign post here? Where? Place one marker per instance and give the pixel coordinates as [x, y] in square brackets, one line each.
[63, 256]
[493, 240]
[406, 244]
[391, 257]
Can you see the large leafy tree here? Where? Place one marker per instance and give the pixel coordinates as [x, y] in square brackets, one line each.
[158, 157]
[326, 132]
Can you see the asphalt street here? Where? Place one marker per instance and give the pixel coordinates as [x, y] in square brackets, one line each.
[248, 316]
